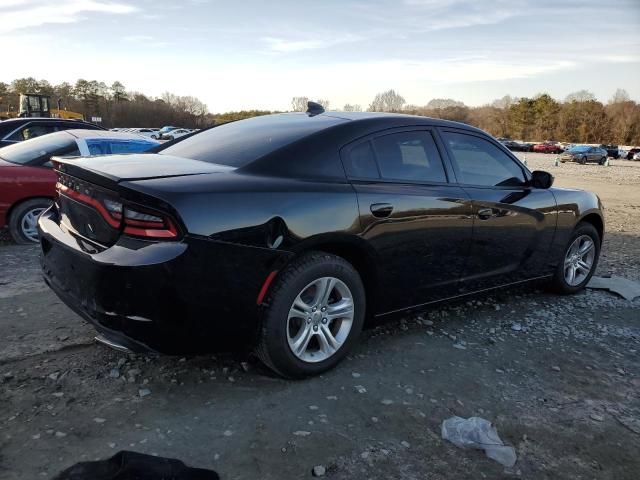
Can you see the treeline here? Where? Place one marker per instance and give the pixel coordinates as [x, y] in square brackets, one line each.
[113, 103]
[580, 118]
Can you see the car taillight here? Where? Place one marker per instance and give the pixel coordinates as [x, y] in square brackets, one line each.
[148, 224]
[136, 221]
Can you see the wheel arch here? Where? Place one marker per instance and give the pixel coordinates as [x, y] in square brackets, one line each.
[354, 250]
[596, 220]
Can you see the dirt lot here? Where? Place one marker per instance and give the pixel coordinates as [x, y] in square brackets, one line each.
[559, 376]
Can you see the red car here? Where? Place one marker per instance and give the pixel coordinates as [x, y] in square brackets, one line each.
[28, 183]
[547, 147]
[25, 193]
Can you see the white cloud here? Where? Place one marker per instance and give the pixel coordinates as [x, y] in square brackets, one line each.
[23, 14]
[283, 45]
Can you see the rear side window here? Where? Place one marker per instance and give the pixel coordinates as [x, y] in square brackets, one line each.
[361, 163]
[409, 156]
[480, 162]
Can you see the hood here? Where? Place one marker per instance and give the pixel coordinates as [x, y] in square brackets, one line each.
[4, 163]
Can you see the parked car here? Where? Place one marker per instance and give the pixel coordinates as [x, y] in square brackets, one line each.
[636, 156]
[547, 147]
[173, 134]
[17, 130]
[516, 146]
[146, 132]
[162, 131]
[632, 152]
[282, 232]
[27, 181]
[583, 154]
[612, 150]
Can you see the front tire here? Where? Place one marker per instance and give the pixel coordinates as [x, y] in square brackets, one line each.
[579, 260]
[313, 316]
[23, 221]
[602, 161]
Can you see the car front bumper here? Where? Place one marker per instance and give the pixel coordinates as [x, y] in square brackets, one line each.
[192, 296]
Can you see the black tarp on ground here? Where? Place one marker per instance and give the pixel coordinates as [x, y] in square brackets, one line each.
[126, 465]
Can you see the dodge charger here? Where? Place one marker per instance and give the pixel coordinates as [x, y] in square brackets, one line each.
[283, 233]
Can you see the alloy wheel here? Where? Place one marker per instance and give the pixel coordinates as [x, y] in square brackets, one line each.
[29, 223]
[579, 260]
[320, 319]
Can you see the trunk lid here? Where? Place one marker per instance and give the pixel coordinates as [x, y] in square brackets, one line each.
[93, 203]
[109, 170]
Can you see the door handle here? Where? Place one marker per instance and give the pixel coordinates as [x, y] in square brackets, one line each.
[381, 210]
[485, 213]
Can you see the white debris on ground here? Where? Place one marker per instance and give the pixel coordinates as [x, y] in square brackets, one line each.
[481, 434]
[627, 289]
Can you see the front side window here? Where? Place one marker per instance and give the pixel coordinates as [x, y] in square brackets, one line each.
[31, 131]
[480, 162]
[409, 156]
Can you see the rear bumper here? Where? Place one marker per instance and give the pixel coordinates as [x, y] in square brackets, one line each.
[193, 296]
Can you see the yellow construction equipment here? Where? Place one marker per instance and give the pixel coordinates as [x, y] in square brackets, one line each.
[36, 105]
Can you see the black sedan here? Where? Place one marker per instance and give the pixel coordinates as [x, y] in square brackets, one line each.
[17, 130]
[516, 146]
[283, 233]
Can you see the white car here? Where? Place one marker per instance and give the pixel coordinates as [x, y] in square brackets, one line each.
[636, 156]
[177, 133]
[146, 132]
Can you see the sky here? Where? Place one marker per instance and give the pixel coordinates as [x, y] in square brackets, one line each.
[248, 54]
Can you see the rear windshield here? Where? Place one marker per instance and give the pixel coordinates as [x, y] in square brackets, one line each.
[37, 148]
[237, 144]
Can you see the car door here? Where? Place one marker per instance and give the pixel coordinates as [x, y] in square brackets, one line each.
[416, 222]
[513, 223]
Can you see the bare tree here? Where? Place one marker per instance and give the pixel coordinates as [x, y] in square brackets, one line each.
[388, 101]
[352, 108]
[299, 104]
[118, 91]
[324, 102]
[620, 96]
[580, 96]
[440, 103]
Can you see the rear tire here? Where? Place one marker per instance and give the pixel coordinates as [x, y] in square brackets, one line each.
[23, 220]
[583, 161]
[288, 325]
[602, 161]
[562, 280]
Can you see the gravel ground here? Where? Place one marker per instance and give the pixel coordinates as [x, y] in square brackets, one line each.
[558, 376]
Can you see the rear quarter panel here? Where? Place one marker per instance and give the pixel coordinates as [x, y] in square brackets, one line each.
[259, 211]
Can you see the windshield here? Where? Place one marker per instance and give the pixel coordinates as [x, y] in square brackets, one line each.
[37, 148]
[102, 146]
[238, 143]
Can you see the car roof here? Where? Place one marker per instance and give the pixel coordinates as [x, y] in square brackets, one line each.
[108, 134]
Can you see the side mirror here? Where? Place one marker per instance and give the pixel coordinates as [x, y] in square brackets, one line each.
[541, 179]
